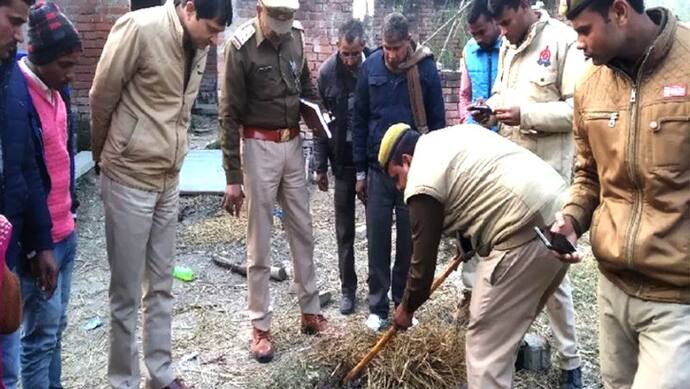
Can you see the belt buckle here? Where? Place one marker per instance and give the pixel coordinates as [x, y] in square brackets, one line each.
[284, 134]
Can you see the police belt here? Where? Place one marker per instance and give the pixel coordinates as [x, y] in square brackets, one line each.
[278, 135]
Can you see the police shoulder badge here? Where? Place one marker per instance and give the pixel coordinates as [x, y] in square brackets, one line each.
[243, 34]
[545, 57]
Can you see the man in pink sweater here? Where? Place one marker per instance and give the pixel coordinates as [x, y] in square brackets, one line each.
[54, 47]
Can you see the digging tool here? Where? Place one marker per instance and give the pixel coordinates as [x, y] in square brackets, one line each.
[277, 273]
[452, 266]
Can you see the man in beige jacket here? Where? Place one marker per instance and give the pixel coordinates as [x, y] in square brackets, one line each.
[141, 99]
[532, 104]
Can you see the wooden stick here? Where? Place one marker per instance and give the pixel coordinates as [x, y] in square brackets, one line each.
[277, 273]
[452, 266]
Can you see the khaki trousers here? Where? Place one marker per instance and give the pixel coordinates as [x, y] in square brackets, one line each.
[276, 171]
[511, 288]
[642, 344]
[140, 236]
[561, 313]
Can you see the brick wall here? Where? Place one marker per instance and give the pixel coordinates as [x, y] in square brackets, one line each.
[450, 81]
[321, 19]
[93, 19]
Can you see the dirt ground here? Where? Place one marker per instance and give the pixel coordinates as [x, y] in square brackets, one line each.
[210, 324]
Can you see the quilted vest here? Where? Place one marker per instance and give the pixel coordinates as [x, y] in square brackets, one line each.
[482, 67]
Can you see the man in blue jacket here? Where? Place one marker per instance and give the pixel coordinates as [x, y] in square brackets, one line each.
[479, 64]
[382, 98]
[22, 189]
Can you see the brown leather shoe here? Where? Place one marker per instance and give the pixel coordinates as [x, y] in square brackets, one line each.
[261, 347]
[313, 324]
[177, 384]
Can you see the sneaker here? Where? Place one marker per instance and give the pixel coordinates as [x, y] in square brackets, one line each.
[571, 379]
[375, 322]
[347, 304]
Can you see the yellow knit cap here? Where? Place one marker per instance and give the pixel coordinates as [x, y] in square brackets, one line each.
[389, 141]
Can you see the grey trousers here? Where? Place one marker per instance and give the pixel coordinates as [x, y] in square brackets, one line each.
[560, 309]
[642, 344]
[276, 171]
[140, 237]
[511, 288]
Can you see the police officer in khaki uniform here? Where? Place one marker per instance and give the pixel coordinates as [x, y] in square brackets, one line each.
[266, 73]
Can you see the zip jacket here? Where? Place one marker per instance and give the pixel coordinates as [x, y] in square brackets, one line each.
[141, 99]
[632, 172]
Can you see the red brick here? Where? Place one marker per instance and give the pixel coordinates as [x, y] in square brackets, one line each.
[103, 26]
[92, 44]
[451, 98]
[452, 115]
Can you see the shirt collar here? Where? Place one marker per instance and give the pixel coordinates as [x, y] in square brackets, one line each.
[46, 92]
[534, 30]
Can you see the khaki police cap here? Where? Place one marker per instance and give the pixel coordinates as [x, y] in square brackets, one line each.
[389, 143]
[288, 5]
[574, 7]
[280, 14]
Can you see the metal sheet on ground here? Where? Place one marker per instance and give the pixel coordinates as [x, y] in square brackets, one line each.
[83, 162]
[202, 172]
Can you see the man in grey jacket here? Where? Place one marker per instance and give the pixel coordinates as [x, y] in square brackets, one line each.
[337, 80]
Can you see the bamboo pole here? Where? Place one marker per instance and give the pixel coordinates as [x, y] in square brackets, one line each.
[388, 335]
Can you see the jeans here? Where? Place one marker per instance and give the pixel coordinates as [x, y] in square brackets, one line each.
[382, 199]
[345, 229]
[10, 345]
[45, 320]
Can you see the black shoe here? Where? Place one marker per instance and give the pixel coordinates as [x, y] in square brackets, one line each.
[571, 379]
[347, 304]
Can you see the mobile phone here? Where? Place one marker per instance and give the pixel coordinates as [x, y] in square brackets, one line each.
[558, 243]
[482, 109]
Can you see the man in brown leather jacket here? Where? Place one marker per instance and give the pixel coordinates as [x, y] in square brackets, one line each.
[632, 187]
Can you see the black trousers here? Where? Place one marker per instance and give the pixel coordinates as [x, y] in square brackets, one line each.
[345, 228]
[382, 200]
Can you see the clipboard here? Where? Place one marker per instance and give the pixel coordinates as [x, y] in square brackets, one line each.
[316, 120]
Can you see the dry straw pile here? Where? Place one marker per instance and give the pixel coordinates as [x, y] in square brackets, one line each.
[431, 355]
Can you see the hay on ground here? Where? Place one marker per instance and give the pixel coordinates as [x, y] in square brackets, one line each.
[430, 355]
